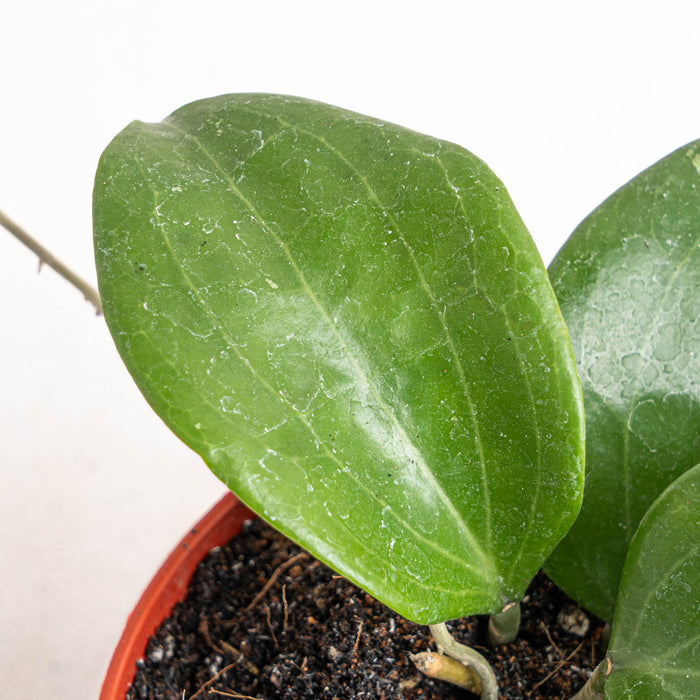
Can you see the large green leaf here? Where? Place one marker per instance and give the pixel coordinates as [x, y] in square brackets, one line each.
[628, 282]
[350, 323]
[655, 641]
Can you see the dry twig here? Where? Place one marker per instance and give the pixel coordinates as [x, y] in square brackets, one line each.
[271, 581]
[286, 612]
[239, 656]
[45, 257]
[558, 667]
[357, 638]
[551, 641]
[212, 680]
[233, 695]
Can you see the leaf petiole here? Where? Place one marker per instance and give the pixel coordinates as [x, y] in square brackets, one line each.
[504, 626]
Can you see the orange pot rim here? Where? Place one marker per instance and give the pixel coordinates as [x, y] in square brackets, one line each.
[168, 587]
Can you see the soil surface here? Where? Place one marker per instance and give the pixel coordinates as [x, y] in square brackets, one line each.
[264, 620]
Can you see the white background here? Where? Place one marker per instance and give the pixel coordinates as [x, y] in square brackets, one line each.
[565, 100]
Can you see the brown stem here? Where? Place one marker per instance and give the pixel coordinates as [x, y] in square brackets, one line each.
[47, 258]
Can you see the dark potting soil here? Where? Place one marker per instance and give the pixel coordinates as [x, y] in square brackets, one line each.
[266, 621]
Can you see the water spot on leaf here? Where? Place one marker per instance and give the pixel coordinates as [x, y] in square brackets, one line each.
[645, 320]
[229, 405]
[650, 374]
[668, 342]
[689, 307]
[604, 372]
[632, 362]
[408, 558]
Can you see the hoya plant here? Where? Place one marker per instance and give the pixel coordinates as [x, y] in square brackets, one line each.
[351, 325]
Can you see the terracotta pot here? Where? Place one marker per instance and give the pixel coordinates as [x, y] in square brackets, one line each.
[169, 587]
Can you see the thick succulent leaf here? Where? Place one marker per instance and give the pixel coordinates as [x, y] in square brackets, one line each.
[350, 323]
[628, 282]
[655, 641]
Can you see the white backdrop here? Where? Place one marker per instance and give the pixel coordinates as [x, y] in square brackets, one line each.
[565, 100]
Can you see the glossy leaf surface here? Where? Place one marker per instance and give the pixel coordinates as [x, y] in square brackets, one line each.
[350, 323]
[655, 641]
[628, 282]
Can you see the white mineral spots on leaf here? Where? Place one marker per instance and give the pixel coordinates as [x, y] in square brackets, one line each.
[272, 468]
[230, 405]
[604, 373]
[180, 310]
[633, 362]
[689, 307]
[668, 342]
[406, 556]
[644, 321]
[413, 325]
[649, 375]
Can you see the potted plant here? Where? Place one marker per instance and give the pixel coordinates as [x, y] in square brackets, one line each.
[350, 323]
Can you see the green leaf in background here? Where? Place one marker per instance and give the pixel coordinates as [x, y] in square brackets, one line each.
[350, 323]
[655, 641]
[628, 283]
